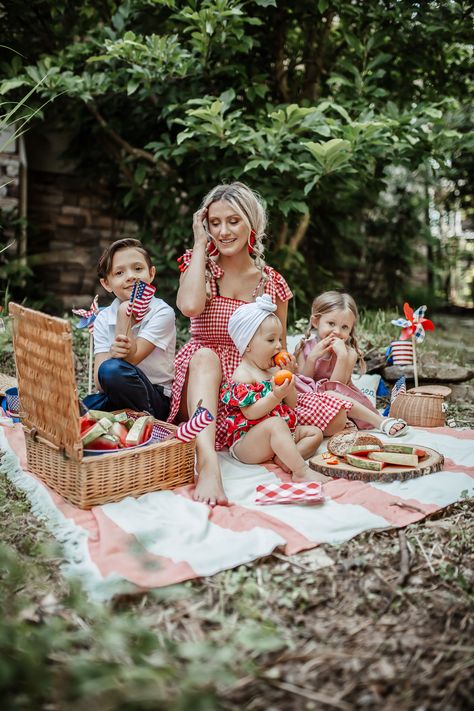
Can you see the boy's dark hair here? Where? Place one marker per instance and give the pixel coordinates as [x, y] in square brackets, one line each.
[105, 262]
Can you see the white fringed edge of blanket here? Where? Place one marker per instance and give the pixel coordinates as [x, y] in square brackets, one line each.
[72, 538]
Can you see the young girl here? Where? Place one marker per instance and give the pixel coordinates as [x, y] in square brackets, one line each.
[261, 422]
[330, 354]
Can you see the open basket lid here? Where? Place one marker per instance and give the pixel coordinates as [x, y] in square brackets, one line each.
[46, 378]
[439, 390]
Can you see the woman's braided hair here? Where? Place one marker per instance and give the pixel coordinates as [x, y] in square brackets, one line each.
[249, 205]
[334, 301]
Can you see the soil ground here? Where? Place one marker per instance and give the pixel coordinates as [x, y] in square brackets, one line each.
[384, 621]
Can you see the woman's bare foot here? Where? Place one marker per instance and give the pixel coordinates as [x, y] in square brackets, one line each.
[280, 464]
[308, 474]
[209, 489]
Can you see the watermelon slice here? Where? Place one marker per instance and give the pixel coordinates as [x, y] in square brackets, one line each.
[401, 460]
[137, 434]
[404, 449]
[105, 442]
[363, 463]
[362, 449]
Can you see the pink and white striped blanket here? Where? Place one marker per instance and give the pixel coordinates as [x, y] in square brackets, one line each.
[166, 537]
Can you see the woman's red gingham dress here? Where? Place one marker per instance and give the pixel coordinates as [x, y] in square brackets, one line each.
[209, 330]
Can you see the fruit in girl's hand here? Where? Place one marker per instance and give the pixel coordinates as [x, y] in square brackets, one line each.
[281, 376]
[280, 358]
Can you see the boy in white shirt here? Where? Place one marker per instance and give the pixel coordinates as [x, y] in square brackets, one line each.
[134, 362]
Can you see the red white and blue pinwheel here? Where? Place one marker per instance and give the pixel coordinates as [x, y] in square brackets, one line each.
[414, 324]
[88, 316]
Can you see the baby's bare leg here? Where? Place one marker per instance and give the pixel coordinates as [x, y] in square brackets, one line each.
[272, 436]
[307, 439]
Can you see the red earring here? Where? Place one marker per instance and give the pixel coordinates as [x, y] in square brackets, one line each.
[212, 249]
[251, 243]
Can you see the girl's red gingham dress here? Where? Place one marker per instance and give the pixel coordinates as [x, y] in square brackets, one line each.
[209, 330]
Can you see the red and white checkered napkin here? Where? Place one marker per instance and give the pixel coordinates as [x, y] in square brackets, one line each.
[290, 492]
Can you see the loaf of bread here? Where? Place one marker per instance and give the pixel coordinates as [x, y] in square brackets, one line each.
[341, 442]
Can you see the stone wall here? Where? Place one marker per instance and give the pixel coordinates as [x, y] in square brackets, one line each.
[69, 225]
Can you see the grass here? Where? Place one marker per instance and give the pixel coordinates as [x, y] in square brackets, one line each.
[383, 621]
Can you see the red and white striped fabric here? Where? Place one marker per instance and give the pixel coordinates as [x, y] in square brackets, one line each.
[402, 352]
[142, 294]
[290, 492]
[190, 429]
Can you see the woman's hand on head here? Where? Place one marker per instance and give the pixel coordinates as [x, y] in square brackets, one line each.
[200, 235]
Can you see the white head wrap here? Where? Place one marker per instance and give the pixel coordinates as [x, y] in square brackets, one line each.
[247, 318]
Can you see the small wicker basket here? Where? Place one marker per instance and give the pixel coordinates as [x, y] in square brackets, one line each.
[50, 416]
[423, 406]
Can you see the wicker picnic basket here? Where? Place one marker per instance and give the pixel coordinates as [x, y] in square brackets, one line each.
[50, 417]
[423, 406]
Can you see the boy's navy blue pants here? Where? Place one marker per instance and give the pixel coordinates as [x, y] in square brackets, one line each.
[127, 387]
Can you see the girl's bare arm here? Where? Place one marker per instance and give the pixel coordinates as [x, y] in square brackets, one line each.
[266, 404]
[344, 363]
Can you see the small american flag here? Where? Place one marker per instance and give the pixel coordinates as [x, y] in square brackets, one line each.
[142, 294]
[188, 430]
[88, 316]
[400, 388]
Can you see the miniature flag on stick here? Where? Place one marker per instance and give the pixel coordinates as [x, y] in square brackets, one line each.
[199, 421]
[400, 388]
[88, 316]
[142, 294]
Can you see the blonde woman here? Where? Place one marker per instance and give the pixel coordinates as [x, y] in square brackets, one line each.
[224, 270]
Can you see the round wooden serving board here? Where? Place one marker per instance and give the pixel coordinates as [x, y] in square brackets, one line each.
[433, 462]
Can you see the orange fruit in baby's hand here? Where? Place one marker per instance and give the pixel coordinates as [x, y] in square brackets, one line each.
[282, 375]
[279, 359]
